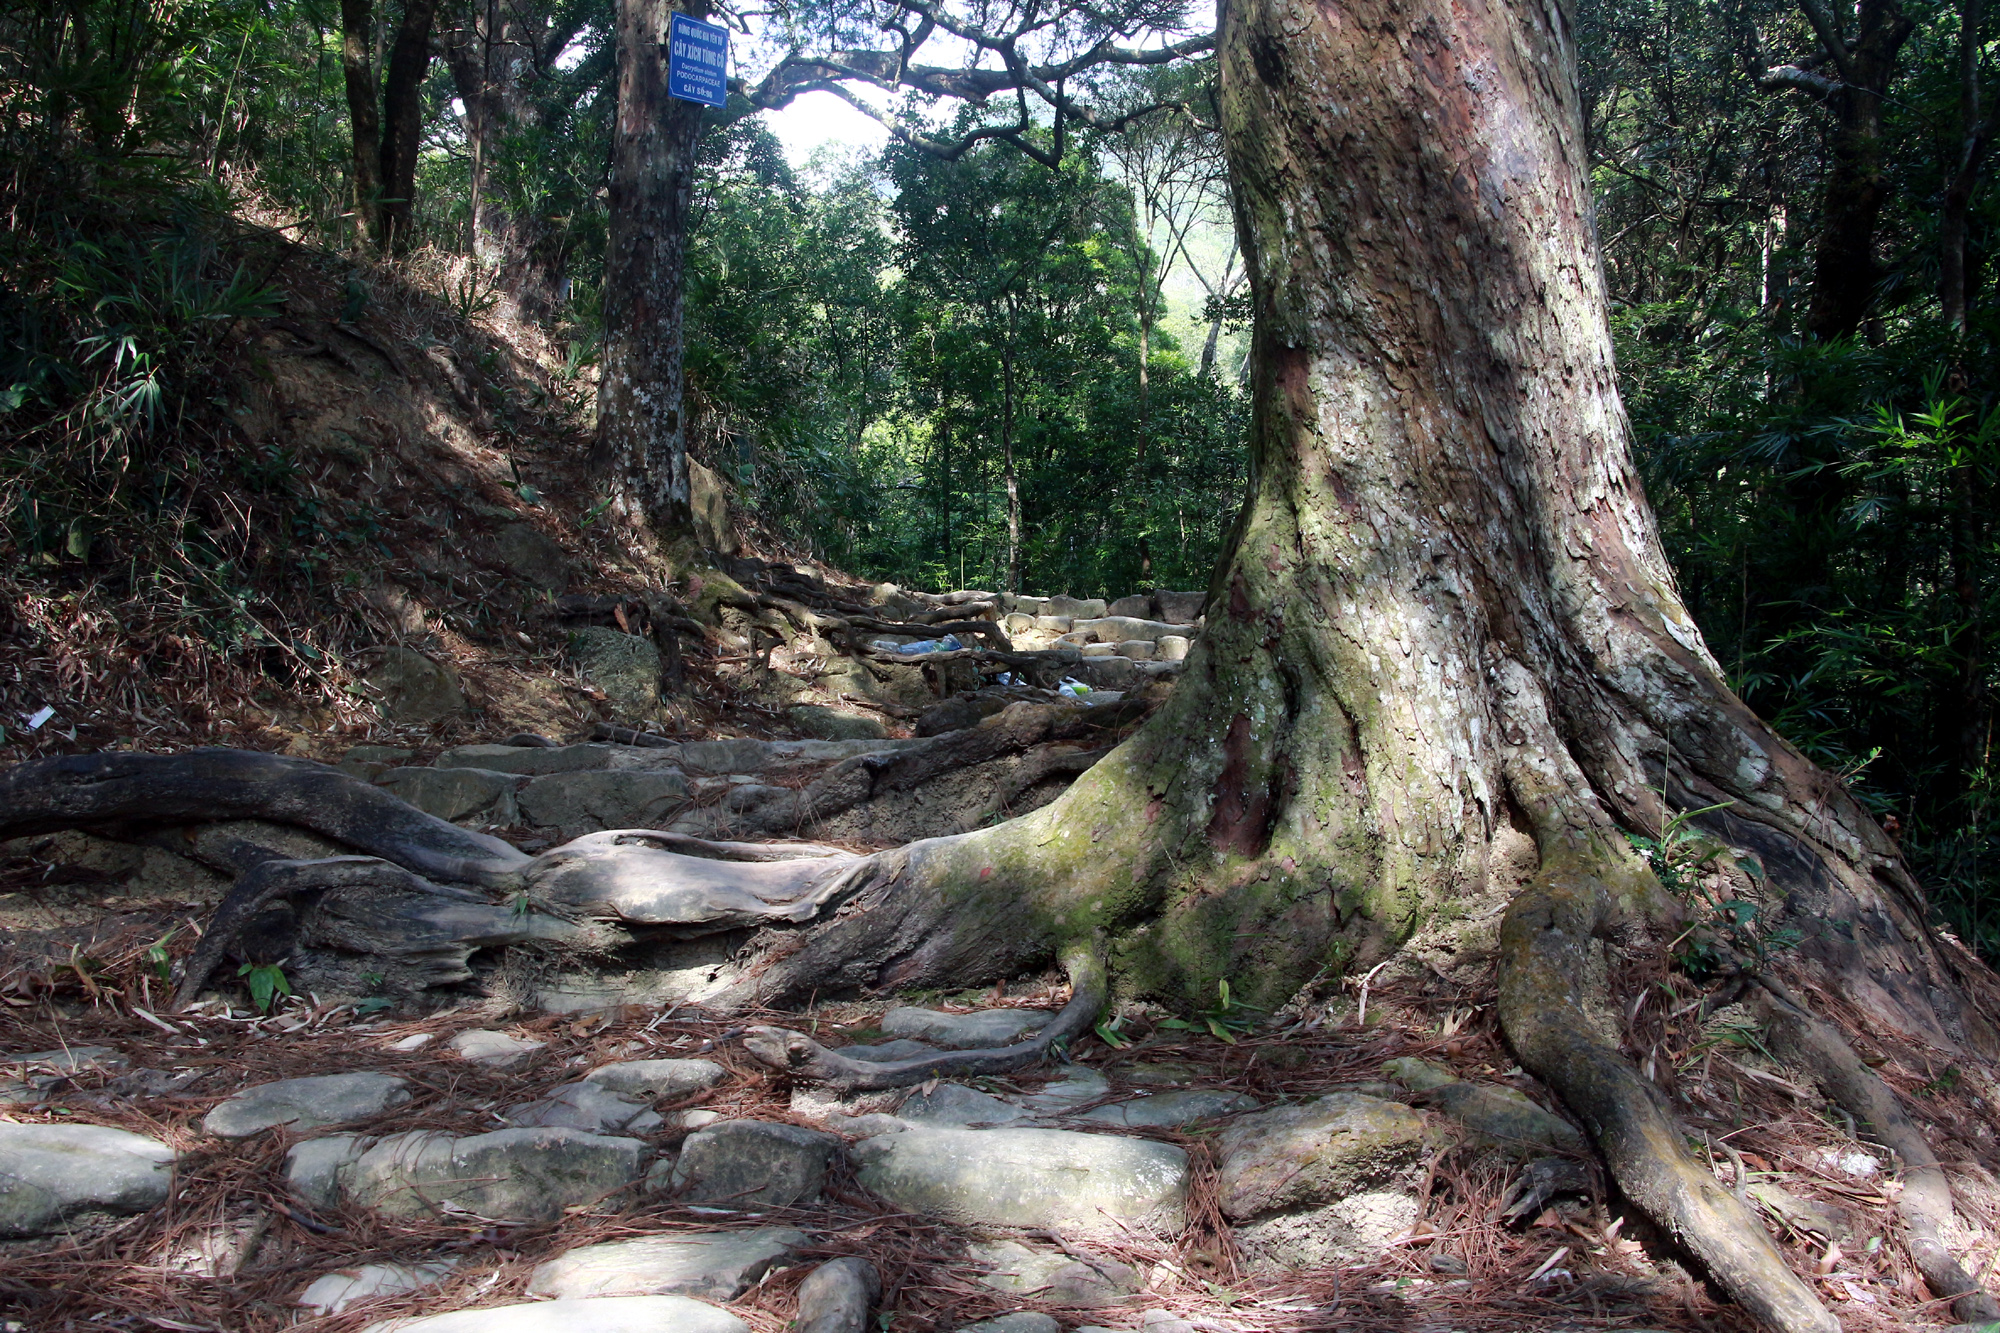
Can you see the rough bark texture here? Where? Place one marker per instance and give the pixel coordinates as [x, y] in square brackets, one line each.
[364, 115]
[495, 53]
[403, 122]
[1845, 270]
[641, 421]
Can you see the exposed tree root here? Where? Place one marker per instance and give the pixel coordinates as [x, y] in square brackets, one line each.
[802, 1057]
[198, 786]
[412, 933]
[1925, 1202]
[1546, 942]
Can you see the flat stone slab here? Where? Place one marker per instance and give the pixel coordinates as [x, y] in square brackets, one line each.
[1505, 1119]
[1053, 1277]
[495, 1049]
[535, 759]
[1314, 1153]
[711, 1265]
[1073, 1089]
[513, 1175]
[33, 1077]
[51, 1173]
[656, 1080]
[1049, 1178]
[980, 1030]
[454, 793]
[1352, 1230]
[334, 1292]
[743, 1163]
[317, 1170]
[306, 1103]
[956, 1105]
[604, 1314]
[73, 1060]
[1022, 1321]
[590, 1107]
[580, 803]
[1169, 1110]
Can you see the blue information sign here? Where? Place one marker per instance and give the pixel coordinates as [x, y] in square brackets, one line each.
[698, 60]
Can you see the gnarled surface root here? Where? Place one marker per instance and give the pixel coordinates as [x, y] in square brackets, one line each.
[1925, 1203]
[804, 1058]
[77, 791]
[416, 934]
[1545, 946]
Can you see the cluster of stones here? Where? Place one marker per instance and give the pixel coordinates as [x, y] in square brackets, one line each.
[1322, 1181]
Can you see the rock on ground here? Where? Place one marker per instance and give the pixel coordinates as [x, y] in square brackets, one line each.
[1048, 1178]
[743, 1163]
[317, 1170]
[456, 793]
[590, 1107]
[1022, 1321]
[1055, 1278]
[580, 803]
[514, 1175]
[830, 724]
[625, 666]
[658, 1079]
[1169, 1110]
[306, 1103]
[337, 1291]
[1316, 1152]
[604, 1314]
[413, 689]
[1347, 1231]
[836, 1297]
[956, 1105]
[50, 1174]
[982, 1030]
[496, 1050]
[713, 1265]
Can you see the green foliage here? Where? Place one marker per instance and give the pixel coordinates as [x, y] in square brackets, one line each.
[1226, 1019]
[1724, 931]
[267, 981]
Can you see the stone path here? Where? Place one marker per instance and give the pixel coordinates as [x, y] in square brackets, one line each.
[578, 1174]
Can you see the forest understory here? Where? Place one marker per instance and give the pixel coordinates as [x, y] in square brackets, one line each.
[779, 654]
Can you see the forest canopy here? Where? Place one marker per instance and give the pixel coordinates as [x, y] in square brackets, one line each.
[1794, 205]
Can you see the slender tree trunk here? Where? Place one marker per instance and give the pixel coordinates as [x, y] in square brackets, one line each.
[364, 115]
[1011, 481]
[1975, 135]
[403, 122]
[641, 417]
[1845, 271]
[492, 54]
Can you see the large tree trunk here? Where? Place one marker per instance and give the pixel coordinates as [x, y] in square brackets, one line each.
[641, 420]
[403, 123]
[364, 115]
[1845, 270]
[1444, 662]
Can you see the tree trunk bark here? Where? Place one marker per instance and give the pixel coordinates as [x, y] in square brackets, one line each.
[641, 418]
[403, 124]
[1008, 476]
[1975, 136]
[364, 115]
[1845, 271]
[492, 55]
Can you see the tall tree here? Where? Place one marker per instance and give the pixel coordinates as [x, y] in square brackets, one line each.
[386, 137]
[1041, 54]
[1851, 73]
